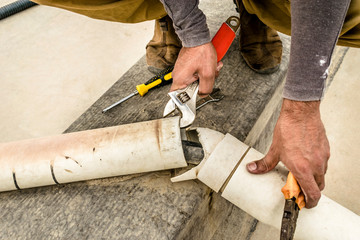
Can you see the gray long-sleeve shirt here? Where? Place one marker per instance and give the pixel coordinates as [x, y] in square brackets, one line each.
[315, 27]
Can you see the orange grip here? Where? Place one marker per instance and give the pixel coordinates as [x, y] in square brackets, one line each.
[222, 40]
[292, 189]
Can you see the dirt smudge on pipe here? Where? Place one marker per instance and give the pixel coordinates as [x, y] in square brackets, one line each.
[158, 133]
[67, 157]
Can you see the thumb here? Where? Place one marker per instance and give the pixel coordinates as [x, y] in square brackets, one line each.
[263, 165]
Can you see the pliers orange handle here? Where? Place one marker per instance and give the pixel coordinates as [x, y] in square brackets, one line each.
[292, 190]
[294, 201]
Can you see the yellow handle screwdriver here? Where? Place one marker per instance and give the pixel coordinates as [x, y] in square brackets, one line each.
[161, 79]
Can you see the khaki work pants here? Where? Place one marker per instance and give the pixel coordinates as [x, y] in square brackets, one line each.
[274, 13]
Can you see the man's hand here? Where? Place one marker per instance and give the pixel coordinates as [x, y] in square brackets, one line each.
[196, 63]
[300, 142]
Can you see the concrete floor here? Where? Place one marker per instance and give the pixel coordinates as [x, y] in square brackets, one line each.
[55, 64]
[340, 114]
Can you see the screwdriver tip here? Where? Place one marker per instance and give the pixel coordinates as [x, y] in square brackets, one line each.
[117, 103]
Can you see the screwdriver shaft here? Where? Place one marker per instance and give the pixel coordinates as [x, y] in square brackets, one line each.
[118, 102]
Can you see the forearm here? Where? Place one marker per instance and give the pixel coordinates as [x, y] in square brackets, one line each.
[315, 27]
[189, 21]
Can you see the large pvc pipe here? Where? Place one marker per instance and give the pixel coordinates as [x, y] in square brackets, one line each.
[126, 149]
[260, 195]
[156, 145]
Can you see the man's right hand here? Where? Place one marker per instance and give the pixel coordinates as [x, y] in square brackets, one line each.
[195, 63]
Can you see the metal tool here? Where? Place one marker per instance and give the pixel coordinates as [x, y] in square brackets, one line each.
[294, 202]
[161, 79]
[184, 99]
[215, 96]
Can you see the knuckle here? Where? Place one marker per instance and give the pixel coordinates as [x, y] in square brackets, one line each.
[319, 168]
[328, 154]
[326, 167]
[263, 166]
[208, 75]
[314, 196]
[325, 155]
[177, 86]
[204, 92]
[303, 168]
[312, 201]
[267, 163]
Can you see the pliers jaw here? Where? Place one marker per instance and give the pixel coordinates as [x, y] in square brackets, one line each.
[294, 202]
[288, 225]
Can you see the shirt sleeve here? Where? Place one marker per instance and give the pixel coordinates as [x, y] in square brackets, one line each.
[189, 21]
[315, 28]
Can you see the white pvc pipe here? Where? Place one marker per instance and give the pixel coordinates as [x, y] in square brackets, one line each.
[261, 196]
[113, 151]
[156, 145]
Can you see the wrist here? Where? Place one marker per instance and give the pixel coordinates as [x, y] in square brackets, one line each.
[300, 108]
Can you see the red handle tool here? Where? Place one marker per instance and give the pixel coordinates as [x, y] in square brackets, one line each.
[225, 36]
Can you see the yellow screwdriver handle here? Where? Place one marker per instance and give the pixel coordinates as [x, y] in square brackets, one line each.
[163, 78]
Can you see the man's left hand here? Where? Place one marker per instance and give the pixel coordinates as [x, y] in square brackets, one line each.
[300, 142]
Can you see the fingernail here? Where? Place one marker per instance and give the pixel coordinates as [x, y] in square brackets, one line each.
[252, 166]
